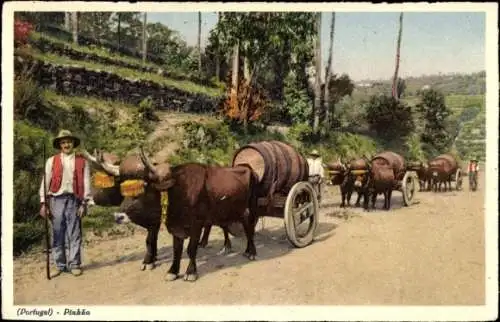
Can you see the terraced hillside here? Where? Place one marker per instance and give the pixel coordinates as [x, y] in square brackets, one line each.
[70, 69]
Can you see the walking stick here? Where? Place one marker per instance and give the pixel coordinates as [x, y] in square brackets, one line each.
[47, 214]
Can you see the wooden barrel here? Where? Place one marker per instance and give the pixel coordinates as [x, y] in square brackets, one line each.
[273, 161]
[395, 160]
[450, 159]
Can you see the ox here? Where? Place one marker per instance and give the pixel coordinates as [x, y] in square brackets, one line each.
[423, 173]
[379, 178]
[199, 196]
[111, 196]
[440, 172]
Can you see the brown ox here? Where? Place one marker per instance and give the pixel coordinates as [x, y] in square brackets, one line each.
[199, 195]
[381, 177]
[441, 170]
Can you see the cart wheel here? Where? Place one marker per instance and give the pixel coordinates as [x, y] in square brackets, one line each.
[301, 214]
[458, 179]
[408, 188]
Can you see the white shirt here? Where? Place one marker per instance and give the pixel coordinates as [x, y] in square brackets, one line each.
[316, 167]
[68, 165]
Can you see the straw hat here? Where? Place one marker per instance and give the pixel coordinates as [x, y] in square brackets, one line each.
[65, 134]
[314, 153]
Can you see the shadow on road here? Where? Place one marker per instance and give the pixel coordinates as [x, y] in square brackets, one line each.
[270, 242]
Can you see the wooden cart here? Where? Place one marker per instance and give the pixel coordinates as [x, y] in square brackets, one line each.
[448, 164]
[284, 190]
[406, 178]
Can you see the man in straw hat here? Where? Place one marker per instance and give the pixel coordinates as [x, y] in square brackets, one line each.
[67, 179]
[316, 171]
[472, 170]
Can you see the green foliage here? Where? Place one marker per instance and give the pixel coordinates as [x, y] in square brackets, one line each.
[414, 149]
[346, 146]
[297, 103]
[435, 115]
[301, 132]
[390, 118]
[147, 115]
[27, 94]
[211, 143]
[29, 142]
[27, 235]
[349, 114]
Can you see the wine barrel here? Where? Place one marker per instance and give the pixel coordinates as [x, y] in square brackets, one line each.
[450, 159]
[273, 161]
[396, 161]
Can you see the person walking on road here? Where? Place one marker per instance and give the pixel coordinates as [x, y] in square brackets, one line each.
[472, 170]
[316, 171]
[67, 180]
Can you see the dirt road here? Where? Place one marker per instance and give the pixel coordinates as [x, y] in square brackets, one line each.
[431, 253]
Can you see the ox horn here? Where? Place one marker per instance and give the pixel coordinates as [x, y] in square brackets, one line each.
[98, 159]
[147, 162]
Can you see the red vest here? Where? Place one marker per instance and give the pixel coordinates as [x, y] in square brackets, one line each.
[57, 172]
[472, 167]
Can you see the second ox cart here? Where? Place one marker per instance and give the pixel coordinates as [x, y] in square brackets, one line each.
[284, 190]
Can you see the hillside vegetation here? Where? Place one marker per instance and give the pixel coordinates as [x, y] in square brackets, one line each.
[116, 102]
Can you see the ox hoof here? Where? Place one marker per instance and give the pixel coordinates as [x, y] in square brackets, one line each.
[190, 277]
[225, 251]
[147, 267]
[171, 277]
[249, 256]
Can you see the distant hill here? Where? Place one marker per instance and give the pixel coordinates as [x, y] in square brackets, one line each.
[454, 83]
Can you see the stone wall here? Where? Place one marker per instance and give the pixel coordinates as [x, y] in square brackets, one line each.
[61, 49]
[75, 80]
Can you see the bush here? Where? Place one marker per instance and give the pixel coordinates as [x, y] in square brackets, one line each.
[27, 94]
[415, 151]
[301, 132]
[390, 118]
[206, 143]
[28, 168]
[297, 102]
[27, 235]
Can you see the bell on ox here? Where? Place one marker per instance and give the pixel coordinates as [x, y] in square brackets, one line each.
[102, 180]
[132, 188]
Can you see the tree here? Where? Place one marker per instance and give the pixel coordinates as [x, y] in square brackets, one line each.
[338, 87]
[435, 117]
[199, 43]
[261, 37]
[144, 38]
[74, 21]
[328, 74]
[67, 21]
[398, 49]
[389, 117]
[317, 84]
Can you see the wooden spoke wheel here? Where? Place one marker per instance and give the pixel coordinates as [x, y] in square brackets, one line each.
[458, 179]
[301, 214]
[408, 188]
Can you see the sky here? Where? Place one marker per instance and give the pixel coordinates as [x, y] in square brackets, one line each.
[365, 42]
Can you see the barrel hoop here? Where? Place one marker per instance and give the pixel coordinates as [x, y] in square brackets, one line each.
[287, 185]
